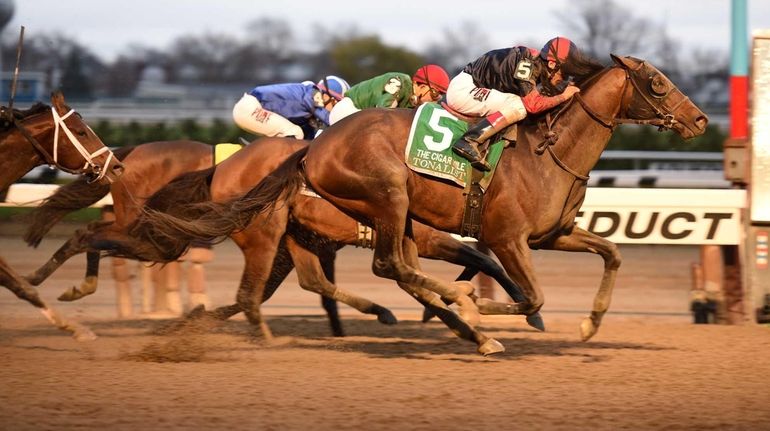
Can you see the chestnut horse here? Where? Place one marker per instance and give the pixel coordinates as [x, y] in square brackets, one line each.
[58, 136]
[358, 165]
[264, 247]
[148, 167]
[316, 230]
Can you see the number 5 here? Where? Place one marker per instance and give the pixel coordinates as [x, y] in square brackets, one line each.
[523, 70]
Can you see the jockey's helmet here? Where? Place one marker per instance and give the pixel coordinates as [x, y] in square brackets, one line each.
[334, 86]
[433, 76]
[557, 50]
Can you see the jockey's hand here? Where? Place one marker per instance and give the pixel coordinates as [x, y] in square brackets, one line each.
[570, 91]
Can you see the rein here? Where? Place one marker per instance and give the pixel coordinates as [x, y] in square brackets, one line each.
[53, 160]
[664, 121]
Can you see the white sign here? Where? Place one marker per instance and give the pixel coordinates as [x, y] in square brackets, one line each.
[663, 216]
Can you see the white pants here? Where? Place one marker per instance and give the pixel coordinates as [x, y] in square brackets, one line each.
[463, 96]
[342, 109]
[249, 115]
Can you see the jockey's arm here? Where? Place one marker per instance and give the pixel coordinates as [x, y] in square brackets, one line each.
[535, 102]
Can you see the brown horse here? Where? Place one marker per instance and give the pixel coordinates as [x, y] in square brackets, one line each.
[316, 230]
[358, 165]
[263, 245]
[58, 136]
[148, 167]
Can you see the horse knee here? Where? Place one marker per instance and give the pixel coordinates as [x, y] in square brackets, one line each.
[613, 259]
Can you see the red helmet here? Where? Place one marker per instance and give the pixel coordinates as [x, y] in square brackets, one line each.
[557, 49]
[433, 76]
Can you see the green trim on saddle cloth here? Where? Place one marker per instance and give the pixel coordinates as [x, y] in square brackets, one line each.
[224, 150]
[429, 148]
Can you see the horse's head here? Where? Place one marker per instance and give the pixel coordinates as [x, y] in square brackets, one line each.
[75, 147]
[656, 100]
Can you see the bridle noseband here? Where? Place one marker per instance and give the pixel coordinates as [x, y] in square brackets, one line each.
[53, 160]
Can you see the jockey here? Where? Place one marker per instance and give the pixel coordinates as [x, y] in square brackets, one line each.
[504, 85]
[292, 109]
[393, 90]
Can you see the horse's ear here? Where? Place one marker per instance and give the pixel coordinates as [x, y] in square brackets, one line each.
[57, 100]
[624, 62]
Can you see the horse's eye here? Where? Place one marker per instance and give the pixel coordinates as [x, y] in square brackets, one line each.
[658, 86]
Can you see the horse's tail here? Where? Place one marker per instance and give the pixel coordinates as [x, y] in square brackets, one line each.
[70, 197]
[190, 188]
[176, 199]
[173, 230]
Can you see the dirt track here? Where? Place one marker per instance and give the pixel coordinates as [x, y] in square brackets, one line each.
[647, 368]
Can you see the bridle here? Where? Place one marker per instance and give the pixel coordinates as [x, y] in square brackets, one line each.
[53, 159]
[665, 120]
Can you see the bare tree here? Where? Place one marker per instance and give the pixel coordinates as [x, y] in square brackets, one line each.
[458, 46]
[601, 27]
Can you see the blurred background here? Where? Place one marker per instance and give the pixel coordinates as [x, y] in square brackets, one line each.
[152, 70]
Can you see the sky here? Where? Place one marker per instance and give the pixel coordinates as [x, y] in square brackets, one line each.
[109, 27]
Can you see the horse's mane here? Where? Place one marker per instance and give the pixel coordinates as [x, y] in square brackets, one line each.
[20, 114]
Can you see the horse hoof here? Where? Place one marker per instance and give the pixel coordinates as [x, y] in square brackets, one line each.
[198, 312]
[71, 294]
[587, 329]
[536, 321]
[491, 347]
[83, 334]
[387, 318]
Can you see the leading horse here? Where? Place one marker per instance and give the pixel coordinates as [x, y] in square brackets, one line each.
[358, 165]
[55, 135]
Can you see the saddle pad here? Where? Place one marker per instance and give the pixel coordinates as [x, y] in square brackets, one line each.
[429, 148]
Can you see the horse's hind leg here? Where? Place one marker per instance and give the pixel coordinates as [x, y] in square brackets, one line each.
[259, 242]
[583, 241]
[433, 244]
[328, 304]
[22, 289]
[77, 244]
[311, 277]
[89, 284]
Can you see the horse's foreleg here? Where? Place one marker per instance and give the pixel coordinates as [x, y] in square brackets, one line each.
[583, 241]
[328, 304]
[441, 245]
[23, 290]
[434, 244]
[515, 256]
[433, 303]
[311, 277]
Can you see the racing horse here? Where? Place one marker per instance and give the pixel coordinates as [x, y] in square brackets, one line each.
[359, 166]
[269, 256]
[55, 135]
[148, 167]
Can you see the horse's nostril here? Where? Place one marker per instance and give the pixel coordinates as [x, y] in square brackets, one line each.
[701, 122]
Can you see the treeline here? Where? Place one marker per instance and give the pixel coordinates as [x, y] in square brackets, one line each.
[643, 138]
[272, 51]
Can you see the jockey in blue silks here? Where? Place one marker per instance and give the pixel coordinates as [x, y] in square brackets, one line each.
[291, 109]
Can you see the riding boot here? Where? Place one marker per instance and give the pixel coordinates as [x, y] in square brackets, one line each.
[468, 145]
